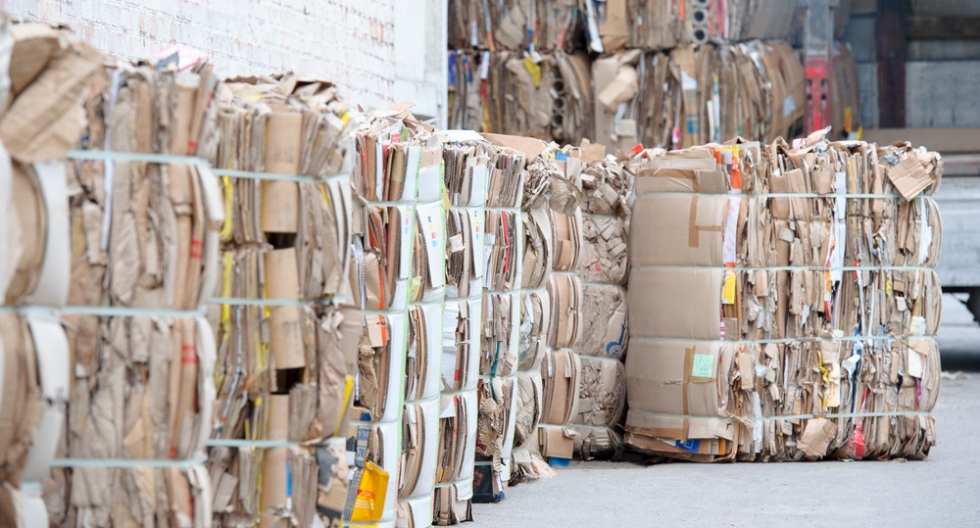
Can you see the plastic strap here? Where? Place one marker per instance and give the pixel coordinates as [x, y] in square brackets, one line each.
[784, 340]
[880, 414]
[139, 157]
[605, 285]
[101, 311]
[786, 268]
[423, 402]
[124, 463]
[237, 301]
[389, 204]
[779, 195]
[269, 444]
[271, 176]
[575, 426]
[454, 483]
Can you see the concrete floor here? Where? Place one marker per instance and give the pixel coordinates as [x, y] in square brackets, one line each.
[941, 491]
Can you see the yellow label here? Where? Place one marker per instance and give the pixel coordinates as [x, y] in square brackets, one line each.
[847, 119]
[534, 70]
[229, 199]
[728, 292]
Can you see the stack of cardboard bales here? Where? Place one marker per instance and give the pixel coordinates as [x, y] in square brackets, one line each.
[393, 150]
[537, 262]
[547, 97]
[514, 25]
[694, 95]
[664, 24]
[420, 421]
[782, 301]
[561, 368]
[467, 163]
[603, 267]
[42, 98]
[282, 377]
[670, 73]
[115, 249]
[497, 387]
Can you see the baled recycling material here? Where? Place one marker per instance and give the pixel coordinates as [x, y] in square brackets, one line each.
[665, 24]
[503, 93]
[528, 464]
[144, 239]
[689, 95]
[517, 25]
[782, 302]
[608, 188]
[283, 378]
[468, 160]
[561, 367]
[362, 320]
[499, 350]
[420, 420]
[395, 152]
[697, 94]
[34, 246]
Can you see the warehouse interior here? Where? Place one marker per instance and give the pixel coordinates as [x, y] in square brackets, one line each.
[412, 263]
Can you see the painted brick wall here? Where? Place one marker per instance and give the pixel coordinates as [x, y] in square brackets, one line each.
[350, 42]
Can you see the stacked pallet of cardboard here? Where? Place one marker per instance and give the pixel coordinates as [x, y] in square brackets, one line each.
[547, 97]
[468, 161]
[283, 379]
[606, 208]
[561, 367]
[393, 150]
[694, 95]
[420, 421]
[499, 350]
[536, 264]
[105, 245]
[782, 301]
[516, 25]
[34, 249]
[673, 74]
[665, 24]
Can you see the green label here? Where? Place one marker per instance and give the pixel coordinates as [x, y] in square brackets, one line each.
[703, 366]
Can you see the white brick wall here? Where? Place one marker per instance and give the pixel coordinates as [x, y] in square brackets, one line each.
[350, 42]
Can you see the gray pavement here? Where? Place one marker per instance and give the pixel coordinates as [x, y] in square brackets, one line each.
[939, 492]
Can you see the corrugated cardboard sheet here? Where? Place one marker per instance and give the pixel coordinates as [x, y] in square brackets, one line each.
[719, 352]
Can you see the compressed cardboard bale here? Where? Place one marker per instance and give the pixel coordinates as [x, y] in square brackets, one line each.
[605, 322]
[663, 24]
[602, 392]
[775, 323]
[512, 25]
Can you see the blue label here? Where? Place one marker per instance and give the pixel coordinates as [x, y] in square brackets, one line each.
[690, 445]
